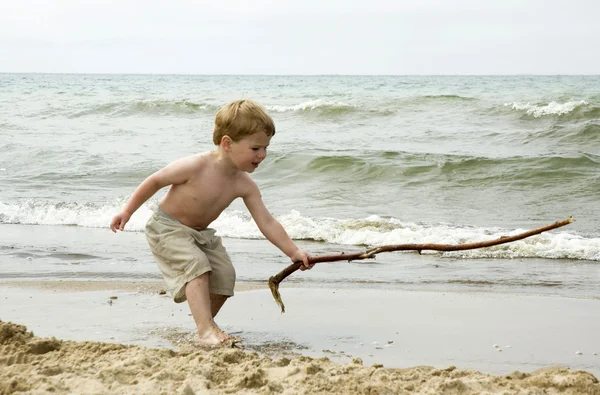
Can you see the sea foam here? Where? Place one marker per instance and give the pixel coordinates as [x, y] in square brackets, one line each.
[552, 108]
[316, 104]
[357, 232]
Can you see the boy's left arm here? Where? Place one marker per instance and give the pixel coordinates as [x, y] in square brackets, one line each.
[272, 229]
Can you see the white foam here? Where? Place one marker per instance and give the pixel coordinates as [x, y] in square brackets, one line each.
[370, 231]
[552, 108]
[309, 105]
[35, 212]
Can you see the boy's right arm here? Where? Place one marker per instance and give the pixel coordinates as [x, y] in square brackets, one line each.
[175, 173]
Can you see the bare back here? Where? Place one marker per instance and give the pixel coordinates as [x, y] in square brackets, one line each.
[206, 189]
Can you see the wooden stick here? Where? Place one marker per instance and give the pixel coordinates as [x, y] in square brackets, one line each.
[275, 280]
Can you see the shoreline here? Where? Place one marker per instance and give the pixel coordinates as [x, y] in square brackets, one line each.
[104, 285]
[158, 287]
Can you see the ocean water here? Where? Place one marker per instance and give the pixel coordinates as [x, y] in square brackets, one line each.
[357, 161]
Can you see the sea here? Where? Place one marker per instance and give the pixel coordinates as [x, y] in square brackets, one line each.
[356, 162]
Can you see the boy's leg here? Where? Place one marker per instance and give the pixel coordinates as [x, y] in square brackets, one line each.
[222, 278]
[199, 300]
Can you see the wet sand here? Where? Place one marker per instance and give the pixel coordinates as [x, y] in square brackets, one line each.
[371, 339]
[91, 285]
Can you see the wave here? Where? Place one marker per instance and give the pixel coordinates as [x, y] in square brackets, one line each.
[183, 107]
[424, 168]
[383, 108]
[583, 133]
[553, 108]
[370, 231]
[351, 168]
[148, 107]
[574, 109]
[317, 105]
[324, 107]
[403, 168]
[446, 98]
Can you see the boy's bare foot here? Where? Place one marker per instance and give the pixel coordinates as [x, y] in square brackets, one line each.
[230, 342]
[214, 337]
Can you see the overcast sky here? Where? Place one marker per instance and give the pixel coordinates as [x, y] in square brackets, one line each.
[301, 36]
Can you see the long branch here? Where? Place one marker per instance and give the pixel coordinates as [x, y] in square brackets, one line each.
[274, 281]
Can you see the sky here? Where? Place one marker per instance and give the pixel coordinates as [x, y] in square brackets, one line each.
[400, 37]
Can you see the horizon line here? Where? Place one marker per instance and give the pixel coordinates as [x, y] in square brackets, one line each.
[304, 75]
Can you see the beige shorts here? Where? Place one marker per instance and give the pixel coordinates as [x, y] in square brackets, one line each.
[183, 253]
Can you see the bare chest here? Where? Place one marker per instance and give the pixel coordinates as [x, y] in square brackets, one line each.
[212, 192]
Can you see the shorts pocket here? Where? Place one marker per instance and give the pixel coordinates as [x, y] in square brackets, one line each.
[178, 250]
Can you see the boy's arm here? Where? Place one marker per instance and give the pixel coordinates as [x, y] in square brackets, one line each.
[271, 228]
[177, 172]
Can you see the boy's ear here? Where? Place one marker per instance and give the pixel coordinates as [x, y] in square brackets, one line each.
[226, 143]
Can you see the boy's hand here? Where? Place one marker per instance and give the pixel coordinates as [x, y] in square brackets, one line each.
[119, 221]
[301, 256]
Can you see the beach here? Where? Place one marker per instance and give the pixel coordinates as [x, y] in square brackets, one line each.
[357, 162]
[128, 338]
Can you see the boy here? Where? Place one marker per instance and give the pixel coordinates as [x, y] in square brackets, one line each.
[191, 258]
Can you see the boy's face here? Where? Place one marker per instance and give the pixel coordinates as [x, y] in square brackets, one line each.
[248, 152]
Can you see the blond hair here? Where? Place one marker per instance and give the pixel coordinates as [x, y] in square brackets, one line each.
[240, 119]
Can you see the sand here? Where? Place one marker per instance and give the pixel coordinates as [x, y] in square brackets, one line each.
[128, 338]
[47, 365]
[87, 286]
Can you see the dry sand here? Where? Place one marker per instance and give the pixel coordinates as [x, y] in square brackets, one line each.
[36, 365]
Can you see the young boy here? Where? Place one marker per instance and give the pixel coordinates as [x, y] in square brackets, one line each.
[191, 258]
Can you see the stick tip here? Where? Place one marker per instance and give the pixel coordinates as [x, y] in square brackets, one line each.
[274, 287]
